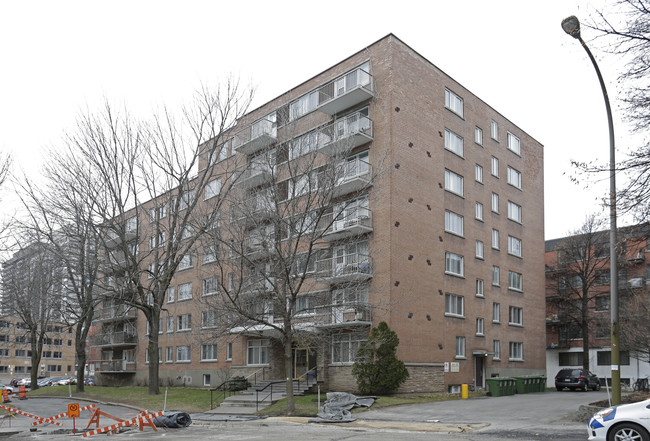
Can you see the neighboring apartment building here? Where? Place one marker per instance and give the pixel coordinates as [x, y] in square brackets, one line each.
[442, 237]
[31, 289]
[564, 336]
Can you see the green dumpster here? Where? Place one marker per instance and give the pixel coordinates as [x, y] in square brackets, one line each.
[523, 386]
[501, 386]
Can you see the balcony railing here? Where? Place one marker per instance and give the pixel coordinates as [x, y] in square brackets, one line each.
[257, 284]
[256, 137]
[256, 175]
[114, 366]
[114, 339]
[115, 313]
[345, 268]
[346, 91]
[354, 221]
[353, 176]
[254, 210]
[344, 134]
[348, 314]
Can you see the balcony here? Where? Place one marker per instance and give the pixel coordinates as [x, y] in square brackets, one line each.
[258, 136]
[345, 91]
[256, 175]
[352, 314]
[258, 250]
[114, 339]
[115, 313]
[354, 175]
[113, 366]
[344, 134]
[254, 210]
[346, 268]
[113, 239]
[354, 221]
[258, 284]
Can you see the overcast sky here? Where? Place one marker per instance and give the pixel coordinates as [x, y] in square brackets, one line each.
[59, 58]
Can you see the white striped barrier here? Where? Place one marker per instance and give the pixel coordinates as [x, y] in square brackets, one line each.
[113, 427]
[20, 412]
[61, 415]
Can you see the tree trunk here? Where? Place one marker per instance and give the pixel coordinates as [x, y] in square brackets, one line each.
[36, 359]
[288, 371]
[585, 332]
[154, 375]
[81, 332]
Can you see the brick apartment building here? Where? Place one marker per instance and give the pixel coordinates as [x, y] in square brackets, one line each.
[564, 336]
[442, 237]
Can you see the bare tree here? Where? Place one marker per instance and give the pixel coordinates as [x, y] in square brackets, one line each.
[60, 212]
[146, 186]
[291, 251]
[30, 293]
[582, 264]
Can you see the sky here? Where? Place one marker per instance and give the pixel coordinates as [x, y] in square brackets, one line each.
[59, 59]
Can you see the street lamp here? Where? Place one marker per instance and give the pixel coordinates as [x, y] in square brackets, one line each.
[571, 26]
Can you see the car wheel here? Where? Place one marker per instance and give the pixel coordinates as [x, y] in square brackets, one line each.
[585, 388]
[597, 387]
[628, 432]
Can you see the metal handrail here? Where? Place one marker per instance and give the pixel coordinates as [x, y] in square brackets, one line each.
[222, 388]
[307, 375]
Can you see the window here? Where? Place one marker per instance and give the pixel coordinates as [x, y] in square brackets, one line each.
[570, 358]
[184, 322]
[516, 350]
[479, 211]
[478, 136]
[185, 291]
[516, 316]
[210, 286]
[229, 351]
[495, 203]
[146, 356]
[454, 264]
[604, 358]
[258, 351]
[162, 211]
[183, 353]
[496, 312]
[495, 275]
[209, 352]
[479, 288]
[495, 239]
[453, 102]
[514, 246]
[454, 305]
[4, 352]
[515, 281]
[170, 294]
[479, 326]
[478, 176]
[494, 169]
[210, 254]
[602, 303]
[514, 177]
[160, 326]
[453, 182]
[514, 212]
[453, 142]
[460, 347]
[496, 348]
[219, 153]
[304, 305]
[479, 249]
[308, 183]
[453, 223]
[208, 319]
[212, 189]
[186, 199]
[169, 354]
[514, 144]
[206, 379]
[494, 130]
[170, 324]
[185, 263]
[603, 331]
[345, 346]
[303, 105]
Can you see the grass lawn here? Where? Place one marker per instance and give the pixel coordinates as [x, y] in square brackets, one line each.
[308, 405]
[198, 400]
[178, 398]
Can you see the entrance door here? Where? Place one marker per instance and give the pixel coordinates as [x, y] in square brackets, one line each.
[304, 359]
[479, 366]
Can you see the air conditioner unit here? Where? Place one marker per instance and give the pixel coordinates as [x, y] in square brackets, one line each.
[358, 316]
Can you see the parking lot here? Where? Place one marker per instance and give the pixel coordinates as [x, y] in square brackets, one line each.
[537, 416]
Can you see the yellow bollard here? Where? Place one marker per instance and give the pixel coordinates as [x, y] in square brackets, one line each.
[464, 391]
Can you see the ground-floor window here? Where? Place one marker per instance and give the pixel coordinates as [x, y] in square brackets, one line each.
[516, 350]
[258, 351]
[206, 379]
[183, 353]
[209, 352]
[345, 346]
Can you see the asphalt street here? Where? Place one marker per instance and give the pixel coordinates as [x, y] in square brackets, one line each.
[527, 417]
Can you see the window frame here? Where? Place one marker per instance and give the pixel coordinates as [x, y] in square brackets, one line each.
[515, 316]
[452, 185]
[480, 288]
[515, 246]
[515, 281]
[494, 166]
[478, 136]
[478, 173]
[514, 177]
[510, 146]
[449, 268]
[454, 305]
[461, 344]
[517, 348]
[514, 209]
[454, 223]
[478, 211]
[453, 102]
[454, 143]
[480, 249]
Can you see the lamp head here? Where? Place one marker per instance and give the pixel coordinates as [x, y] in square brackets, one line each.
[571, 26]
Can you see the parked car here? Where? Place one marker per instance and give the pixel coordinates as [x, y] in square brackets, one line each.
[624, 422]
[9, 388]
[576, 379]
[64, 381]
[43, 382]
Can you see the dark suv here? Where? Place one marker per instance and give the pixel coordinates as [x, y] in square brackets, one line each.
[576, 379]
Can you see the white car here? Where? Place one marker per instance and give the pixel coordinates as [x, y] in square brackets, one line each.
[627, 422]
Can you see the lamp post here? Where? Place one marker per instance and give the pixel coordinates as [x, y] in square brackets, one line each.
[571, 26]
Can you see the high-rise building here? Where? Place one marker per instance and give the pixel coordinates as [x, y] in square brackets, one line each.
[400, 197]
